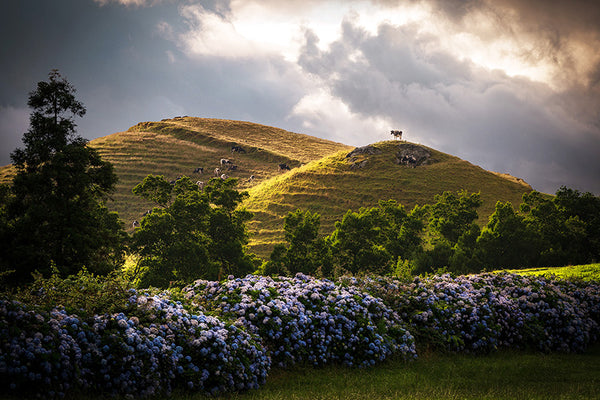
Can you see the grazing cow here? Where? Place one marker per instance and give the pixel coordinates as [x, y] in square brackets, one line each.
[172, 182]
[200, 185]
[225, 161]
[237, 149]
[223, 176]
[146, 213]
[217, 172]
[396, 134]
[284, 167]
[135, 224]
[199, 170]
[250, 179]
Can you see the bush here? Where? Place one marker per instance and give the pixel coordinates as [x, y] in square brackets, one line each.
[308, 320]
[155, 347]
[481, 313]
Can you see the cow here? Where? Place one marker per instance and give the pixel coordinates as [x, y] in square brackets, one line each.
[237, 149]
[396, 134]
[250, 179]
[232, 167]
[217, 172]
[225, 161]
[199, 170]
[146, 213]
[200, 185]
[223, 176]
[135, 224]
[283, 167]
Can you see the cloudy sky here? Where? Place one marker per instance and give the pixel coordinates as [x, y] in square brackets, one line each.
[510, 85]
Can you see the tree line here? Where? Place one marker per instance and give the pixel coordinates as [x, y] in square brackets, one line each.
[54, 219]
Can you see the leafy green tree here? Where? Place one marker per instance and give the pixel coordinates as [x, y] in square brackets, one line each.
[192, 234]
[568, 225]
[507, 241]
[451, 227]
[452, 215]
[56, 213]
[305, 251]
[373, 239]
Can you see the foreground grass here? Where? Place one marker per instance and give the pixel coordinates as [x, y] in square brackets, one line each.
[506, 375]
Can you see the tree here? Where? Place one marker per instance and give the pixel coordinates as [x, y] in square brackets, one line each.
[507, 241]
[568, 225]
[56, 214]
[451, 215]
[192, 234]
[373, 239]
[305, 251]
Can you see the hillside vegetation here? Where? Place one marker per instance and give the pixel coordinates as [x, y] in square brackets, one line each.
[176, 147]
[322, 178]
[336, 183]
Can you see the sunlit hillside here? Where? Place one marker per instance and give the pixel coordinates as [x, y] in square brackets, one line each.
[325, 177]
[178, 146]
[336, 183]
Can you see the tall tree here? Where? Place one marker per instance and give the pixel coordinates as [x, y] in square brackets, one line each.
[372, 239]
[507, 241]
[56, 214]
[193, 234]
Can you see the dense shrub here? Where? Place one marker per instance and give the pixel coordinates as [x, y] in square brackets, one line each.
[151, 350]
[302, 319]
[216, 337]
[481, 313]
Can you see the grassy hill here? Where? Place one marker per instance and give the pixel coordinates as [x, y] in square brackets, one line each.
[336, 183]
[323, 178]
[176, 147]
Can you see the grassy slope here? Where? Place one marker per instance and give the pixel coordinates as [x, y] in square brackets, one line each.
[320, 181]
[176, 147]
[330, 187]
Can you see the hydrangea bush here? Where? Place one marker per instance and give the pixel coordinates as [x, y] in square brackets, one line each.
[156, 347]
[223, 336]
[484, 312]
[308, 320]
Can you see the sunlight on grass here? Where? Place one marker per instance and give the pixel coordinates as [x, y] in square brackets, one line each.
[586, 272]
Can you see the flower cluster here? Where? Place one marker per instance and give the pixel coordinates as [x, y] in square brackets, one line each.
[226, 334]
[155, 348]
[481, 313]
[308, 320]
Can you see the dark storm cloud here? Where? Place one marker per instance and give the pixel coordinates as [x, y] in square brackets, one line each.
[505, 124]
[135, 60]
[125, 70]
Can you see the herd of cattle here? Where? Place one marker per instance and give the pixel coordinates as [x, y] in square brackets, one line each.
[225, 165]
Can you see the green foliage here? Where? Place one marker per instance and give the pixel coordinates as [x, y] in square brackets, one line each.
[452, 215]
[84, 294]
[194, 235]
[305, 251]
[372, 239]
[507, 241]
[55, 212]
[568, 226]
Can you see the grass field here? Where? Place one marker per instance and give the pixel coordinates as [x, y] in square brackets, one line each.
[501, 376]
[586, 272]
